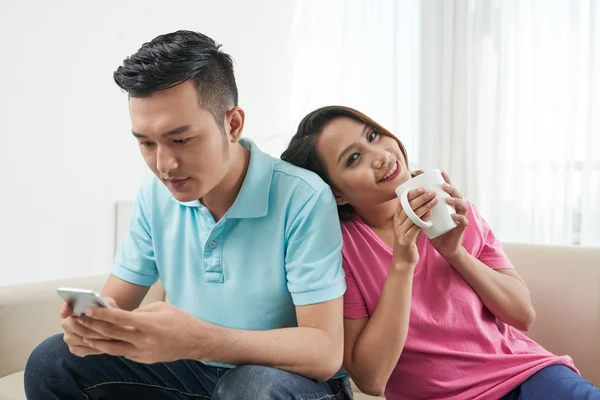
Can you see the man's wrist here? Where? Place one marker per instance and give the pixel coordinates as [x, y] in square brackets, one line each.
[202, 341]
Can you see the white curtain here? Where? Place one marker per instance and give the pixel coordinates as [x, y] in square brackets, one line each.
[510, 106]
[362, 54]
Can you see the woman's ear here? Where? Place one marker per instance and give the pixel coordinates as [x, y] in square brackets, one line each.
[340, 199]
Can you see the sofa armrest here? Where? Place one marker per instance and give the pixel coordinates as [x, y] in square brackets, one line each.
[29, 314]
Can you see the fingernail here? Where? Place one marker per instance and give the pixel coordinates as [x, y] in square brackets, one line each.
[447, 185]
[432, 194]
[420, 190]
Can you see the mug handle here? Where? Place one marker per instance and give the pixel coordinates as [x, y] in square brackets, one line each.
[410, 213]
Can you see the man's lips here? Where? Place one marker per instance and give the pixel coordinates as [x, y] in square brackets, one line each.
[176, 182]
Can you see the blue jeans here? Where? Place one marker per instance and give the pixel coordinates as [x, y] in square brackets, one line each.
[555, 382]
[53, 372]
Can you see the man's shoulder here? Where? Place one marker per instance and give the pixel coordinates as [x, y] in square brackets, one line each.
[297, 191]
[291, 176]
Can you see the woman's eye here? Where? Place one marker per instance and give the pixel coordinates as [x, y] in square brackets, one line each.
[352, 159]
[373, 135]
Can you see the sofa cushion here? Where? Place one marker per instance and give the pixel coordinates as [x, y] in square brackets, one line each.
[11, 387]
[564, 283]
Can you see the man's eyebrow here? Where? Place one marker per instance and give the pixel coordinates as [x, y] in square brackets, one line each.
[176, 131]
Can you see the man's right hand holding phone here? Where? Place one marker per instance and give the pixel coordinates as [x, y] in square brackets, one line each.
[75, 332]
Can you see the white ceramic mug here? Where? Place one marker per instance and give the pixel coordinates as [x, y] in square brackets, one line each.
[441, 220]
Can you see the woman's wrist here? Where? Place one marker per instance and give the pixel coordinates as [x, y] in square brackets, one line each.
[457, 259]
[399, 265]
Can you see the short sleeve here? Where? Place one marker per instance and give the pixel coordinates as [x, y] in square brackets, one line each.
[313, 259]
[354, 304]
[491, 253]
[135, 261]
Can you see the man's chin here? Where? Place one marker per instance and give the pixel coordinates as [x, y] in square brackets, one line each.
[184, 197]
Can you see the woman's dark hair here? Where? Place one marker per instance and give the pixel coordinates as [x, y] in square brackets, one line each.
[176, 57]
[302, 150]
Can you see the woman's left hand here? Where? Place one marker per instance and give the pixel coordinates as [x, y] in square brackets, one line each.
[449, 245]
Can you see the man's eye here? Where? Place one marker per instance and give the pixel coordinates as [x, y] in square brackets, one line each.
[146, 144]
[181, 141]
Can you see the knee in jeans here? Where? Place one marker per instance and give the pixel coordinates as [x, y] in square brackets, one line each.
[47, 359]
[251, 382]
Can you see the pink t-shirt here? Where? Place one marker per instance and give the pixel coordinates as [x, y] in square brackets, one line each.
[456, 348]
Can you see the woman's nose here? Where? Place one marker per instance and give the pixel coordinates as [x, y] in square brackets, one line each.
[381, 158]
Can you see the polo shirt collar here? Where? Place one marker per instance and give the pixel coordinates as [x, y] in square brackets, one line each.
[253, 199]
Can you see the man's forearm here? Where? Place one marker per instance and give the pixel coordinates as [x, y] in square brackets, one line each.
[307, 351]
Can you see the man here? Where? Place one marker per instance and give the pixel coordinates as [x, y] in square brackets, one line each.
[247, 247]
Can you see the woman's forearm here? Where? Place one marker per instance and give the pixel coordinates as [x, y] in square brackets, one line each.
[379, 345]
[505, 296]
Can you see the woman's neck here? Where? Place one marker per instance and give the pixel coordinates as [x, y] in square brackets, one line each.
[380, 216]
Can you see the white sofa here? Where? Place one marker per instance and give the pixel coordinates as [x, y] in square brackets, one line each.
[564, 284]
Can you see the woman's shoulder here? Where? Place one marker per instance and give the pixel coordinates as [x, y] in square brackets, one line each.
[361, 245]
[477, 225]
[354, 228]
[478, 238]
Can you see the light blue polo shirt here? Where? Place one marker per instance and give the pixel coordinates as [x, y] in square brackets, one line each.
[278, 246]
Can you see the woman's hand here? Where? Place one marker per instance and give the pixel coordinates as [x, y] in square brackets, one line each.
[449, 245]
[406, 232]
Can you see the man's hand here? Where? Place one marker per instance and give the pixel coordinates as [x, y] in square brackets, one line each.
[75, 333]
[155, 333]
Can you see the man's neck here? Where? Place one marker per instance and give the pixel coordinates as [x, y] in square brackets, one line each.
[222, 197]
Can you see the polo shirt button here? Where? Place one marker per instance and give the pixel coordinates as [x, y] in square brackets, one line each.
[212, 245]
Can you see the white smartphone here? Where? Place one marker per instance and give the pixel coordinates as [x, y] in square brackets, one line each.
[81, 299]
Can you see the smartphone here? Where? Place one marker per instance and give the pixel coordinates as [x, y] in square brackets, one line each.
[81, 299]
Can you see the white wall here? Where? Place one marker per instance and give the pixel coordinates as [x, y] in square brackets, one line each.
[66, 152]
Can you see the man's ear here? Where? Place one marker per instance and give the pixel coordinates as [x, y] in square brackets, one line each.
[234, 121]
[340, 199]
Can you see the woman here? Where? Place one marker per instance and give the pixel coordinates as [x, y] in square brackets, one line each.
[424, 319]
